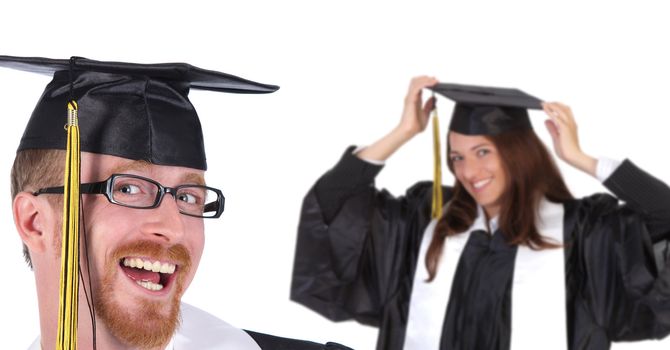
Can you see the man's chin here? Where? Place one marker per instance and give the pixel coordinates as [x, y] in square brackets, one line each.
[136, 317]
[143, 324]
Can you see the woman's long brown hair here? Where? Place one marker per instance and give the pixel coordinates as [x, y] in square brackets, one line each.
[531, 175]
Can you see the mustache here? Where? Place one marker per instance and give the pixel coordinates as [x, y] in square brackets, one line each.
[177, 254]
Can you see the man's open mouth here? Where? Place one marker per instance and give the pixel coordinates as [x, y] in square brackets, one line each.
[150, 274]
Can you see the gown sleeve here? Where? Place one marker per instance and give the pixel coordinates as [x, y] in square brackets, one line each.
[356, 245]
[626, 292]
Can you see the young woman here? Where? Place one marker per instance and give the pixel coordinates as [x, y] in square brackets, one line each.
[514, 261]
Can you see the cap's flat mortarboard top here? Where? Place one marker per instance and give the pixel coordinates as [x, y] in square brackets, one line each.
[197, 78]
[487, 96]
[482, 110]
[130, 110]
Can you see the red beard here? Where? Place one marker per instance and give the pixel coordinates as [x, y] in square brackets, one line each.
[147, 323]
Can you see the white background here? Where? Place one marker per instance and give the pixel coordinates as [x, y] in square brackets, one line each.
[343, 68]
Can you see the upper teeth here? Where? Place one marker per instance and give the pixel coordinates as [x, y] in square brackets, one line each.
[480, 184]
[155, 266]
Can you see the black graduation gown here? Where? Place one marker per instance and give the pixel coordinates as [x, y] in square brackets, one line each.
[357, 250]
[271, 342]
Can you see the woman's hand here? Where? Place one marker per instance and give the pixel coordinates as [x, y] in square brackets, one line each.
[563, 130]
[413, 121]
[416, 113]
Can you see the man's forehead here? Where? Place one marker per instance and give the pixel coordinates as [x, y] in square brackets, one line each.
[97, 167]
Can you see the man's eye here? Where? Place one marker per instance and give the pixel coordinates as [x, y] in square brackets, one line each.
[129, 189]
[188, 198]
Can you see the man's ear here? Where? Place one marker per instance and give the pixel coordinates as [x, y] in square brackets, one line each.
[29, 219]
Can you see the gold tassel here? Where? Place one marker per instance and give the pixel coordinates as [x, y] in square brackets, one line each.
[69, 278]
[437, 174]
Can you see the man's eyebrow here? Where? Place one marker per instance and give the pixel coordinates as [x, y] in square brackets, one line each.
[194, 178]
[134, 165]
[190, 178]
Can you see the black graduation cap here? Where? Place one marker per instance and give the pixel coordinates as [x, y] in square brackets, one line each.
[482, 110]
[130, 110]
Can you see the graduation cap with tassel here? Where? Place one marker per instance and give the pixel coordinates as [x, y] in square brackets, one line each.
[479, 110]
[129, 110]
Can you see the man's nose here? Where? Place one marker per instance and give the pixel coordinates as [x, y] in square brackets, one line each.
[165, 221]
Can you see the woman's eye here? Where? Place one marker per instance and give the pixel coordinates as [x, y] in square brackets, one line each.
[483, 152]
[456, 158]
[129, 189]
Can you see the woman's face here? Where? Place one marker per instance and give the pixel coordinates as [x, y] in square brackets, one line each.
[479, 168]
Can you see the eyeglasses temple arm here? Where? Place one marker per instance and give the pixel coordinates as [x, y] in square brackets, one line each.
[90, 188]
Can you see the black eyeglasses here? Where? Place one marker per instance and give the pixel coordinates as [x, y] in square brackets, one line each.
[138, 192]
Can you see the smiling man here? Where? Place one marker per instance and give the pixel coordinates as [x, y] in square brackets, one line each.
[143, 202]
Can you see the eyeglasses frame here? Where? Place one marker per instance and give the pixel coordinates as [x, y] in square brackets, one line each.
[105, 187]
